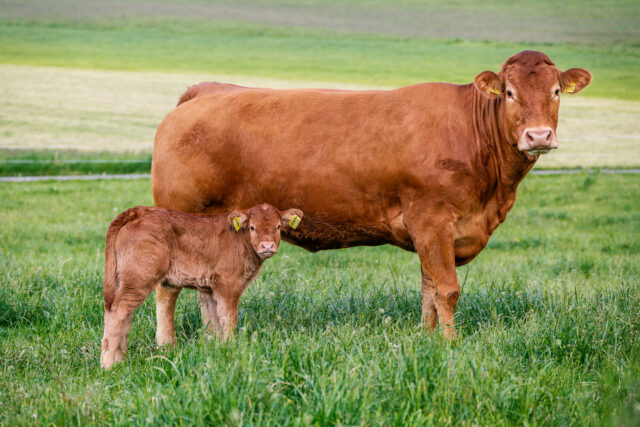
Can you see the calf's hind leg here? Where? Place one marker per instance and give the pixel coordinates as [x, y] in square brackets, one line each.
[114, 342]
[165, 314]
[117, 323]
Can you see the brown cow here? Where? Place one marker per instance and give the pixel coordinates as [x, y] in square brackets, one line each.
[431, 168]
[219, 255]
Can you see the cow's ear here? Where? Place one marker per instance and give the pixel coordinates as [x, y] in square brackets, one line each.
[237, 220]
[574, 80]
[488, 83]
[291, 218]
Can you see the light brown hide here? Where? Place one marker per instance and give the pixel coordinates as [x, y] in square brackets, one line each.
[431, 168]
[151, 248]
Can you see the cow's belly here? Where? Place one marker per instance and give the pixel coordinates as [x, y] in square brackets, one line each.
[315, 234]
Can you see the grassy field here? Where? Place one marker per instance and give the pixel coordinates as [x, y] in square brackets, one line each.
[548, 318]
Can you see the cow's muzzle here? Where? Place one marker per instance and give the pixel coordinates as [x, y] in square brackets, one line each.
[538, 140]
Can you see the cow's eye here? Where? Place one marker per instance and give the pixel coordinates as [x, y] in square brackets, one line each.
[557, 92]
[278, 227]
[252, 227]
[509, 94]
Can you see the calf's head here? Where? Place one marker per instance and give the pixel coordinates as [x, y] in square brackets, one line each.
[262, 225]
[528, 89]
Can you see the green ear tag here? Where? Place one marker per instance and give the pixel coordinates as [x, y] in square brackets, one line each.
[494, 91]
[294, 221]
[570, 88]
[236, 223]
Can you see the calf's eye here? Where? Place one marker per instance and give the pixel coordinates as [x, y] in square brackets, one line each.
[278, 227]
[509, 94]
[252, 227]
[557, 92]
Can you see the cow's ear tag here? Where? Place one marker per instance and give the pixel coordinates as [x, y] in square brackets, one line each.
[571, 87]
[294, 221]
[236, 223]
[494, 91]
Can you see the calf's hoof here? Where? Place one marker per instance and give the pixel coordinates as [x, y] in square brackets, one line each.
[108, 358]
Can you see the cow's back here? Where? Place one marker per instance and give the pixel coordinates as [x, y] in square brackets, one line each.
[345, 158]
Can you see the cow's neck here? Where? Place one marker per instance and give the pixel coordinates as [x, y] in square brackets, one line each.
[506, 165]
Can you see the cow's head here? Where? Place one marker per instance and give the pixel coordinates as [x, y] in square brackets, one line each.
[262, 225]
[529, 87]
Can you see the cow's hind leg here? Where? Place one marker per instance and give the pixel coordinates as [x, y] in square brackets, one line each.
[209, 311]
[429, 313]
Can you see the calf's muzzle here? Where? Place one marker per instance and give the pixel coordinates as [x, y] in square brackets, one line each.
[267, 249]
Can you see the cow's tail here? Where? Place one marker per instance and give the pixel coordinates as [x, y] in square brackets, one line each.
[110, 285]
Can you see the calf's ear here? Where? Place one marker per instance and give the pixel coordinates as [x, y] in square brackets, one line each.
[574, 80]
[238, 220]
[488, 83]
[291, 218]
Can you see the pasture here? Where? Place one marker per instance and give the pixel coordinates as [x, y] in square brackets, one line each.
[549, 314]
[548, 318]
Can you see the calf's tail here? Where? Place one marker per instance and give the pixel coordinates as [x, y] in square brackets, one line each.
[110, 285]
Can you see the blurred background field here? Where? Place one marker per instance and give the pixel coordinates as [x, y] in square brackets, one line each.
[113, 69]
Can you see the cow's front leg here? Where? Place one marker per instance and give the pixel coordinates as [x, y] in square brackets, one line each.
[435, 246]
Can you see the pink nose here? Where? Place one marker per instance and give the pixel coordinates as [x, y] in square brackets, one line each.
[267, 247]
[539, 139]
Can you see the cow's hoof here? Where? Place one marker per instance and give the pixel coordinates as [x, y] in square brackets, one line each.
[164, 341]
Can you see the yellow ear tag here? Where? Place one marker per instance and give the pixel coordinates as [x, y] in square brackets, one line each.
[494, 91]
[571, 88]
[294, 221]
[236, 223]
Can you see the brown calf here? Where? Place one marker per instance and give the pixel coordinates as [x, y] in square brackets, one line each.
[219, 255]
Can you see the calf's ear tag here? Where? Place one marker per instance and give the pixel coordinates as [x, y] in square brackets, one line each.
[494, 91]
[294, 221]
[236, 223]
[570, 88]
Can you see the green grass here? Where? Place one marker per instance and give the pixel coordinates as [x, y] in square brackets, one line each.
[30, 163]
[548, 319]
[301, 54]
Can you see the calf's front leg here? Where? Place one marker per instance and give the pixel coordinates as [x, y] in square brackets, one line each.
[227, 314]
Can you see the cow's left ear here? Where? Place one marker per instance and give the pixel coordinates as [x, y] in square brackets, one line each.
[574, 80]
[488, 83]
[238, 220]
[291, 218]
